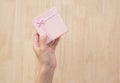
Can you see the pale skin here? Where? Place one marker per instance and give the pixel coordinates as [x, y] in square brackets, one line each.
[46, 56]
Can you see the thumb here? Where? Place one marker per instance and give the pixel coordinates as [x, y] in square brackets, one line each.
[36, 40]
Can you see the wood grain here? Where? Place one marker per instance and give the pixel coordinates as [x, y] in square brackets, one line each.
[88, 53]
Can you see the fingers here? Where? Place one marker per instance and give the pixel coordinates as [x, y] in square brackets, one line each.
[43, 39]
[39, 40]
[51, 43]
[36, 40]
[54, 43]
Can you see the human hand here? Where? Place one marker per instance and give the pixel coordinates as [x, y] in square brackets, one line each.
[45, 52]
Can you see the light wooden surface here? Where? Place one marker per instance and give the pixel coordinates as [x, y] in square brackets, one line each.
[88, 53]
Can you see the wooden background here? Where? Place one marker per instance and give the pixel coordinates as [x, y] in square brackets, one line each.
[88, 53]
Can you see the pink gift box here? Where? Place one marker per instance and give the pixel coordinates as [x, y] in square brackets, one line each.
[51, 24]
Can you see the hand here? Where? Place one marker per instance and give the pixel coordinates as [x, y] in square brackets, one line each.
[46, 56]
[45, 52]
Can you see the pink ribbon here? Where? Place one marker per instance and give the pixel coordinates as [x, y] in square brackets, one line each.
[41, 24]
[41, 21]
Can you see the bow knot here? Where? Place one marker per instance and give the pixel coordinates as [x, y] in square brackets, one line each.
[41, 21]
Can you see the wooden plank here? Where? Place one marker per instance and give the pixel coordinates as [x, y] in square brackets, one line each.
[88, 53]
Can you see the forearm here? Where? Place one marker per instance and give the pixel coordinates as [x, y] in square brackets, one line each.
[45, 74]
[46, 56]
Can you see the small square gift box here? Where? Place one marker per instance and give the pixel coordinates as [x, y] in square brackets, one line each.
[51, 24]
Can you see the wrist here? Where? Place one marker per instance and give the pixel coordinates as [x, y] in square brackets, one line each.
[46, 71]
[45, 74]
[47, 68]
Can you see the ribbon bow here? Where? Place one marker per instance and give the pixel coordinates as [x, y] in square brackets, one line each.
[40, 22]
